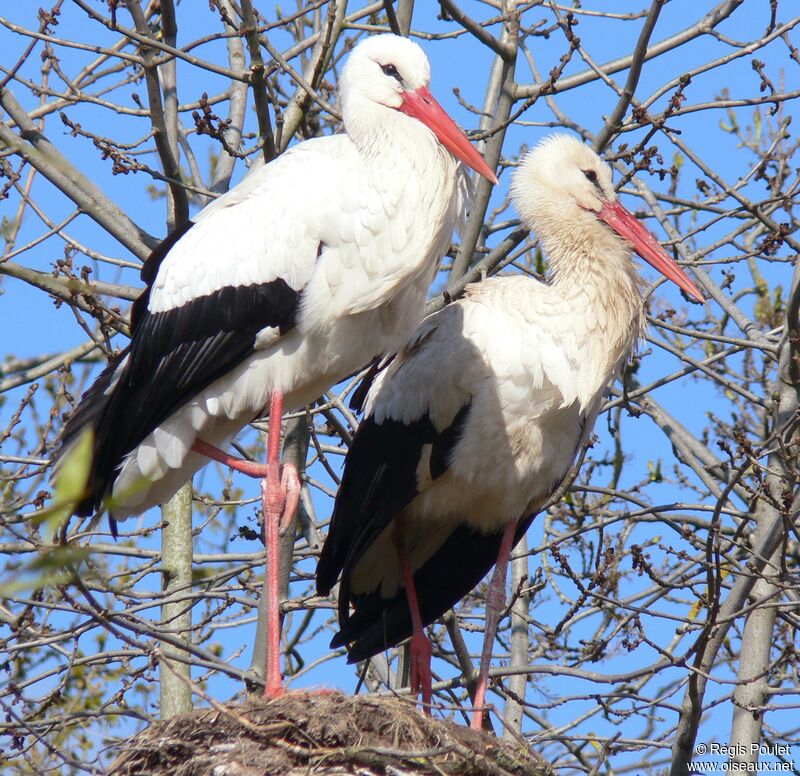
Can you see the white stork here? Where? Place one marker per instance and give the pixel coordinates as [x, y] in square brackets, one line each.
[313, 265]
[470, 429]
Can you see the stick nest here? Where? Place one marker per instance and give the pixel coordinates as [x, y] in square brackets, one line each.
[319, 734]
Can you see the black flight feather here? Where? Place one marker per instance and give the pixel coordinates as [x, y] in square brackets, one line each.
[451, 573]
[173, 356]
[456, 568]
[379, 481]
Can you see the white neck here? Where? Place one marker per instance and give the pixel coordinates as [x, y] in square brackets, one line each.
[387, 137]
[598, 278]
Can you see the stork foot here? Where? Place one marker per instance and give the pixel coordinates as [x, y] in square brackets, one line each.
[283, 488]
[274, 691]
[479, 706]
[420, 676]
[280, 493]
[291, 488]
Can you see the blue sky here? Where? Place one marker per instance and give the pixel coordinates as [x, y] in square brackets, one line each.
[31, 324]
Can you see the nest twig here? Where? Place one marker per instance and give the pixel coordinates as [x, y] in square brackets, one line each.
[319, 734]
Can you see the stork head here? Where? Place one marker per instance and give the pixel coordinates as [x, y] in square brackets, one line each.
[391, 72]
[563, 189]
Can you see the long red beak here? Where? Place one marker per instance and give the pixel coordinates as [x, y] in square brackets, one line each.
[625, 224]
[422, 106]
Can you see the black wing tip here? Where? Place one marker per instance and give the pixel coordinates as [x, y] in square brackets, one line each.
[86, 507]
[337, 641]
[362, 649]
[379, 623]
[92, 497]
[89, 501]
[380, 637]
[374, 629]
[358, 652]
[93, 412]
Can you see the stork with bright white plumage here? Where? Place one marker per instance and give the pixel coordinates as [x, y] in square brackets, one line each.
[308, 269]
[471, 428]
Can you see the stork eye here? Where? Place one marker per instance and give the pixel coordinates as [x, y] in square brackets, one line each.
[591, 176]
[391, 71]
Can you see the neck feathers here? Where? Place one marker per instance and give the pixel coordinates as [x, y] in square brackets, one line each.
[387, 138]
[602, 287]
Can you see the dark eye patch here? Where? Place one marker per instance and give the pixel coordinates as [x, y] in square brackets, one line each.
[591, 176]
[391, 71]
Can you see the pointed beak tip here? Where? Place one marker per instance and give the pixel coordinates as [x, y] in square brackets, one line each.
[647, 246]
[476, 162]
[697, 295]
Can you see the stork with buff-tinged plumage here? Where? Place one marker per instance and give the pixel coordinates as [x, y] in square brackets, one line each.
[471, 428]
[314, 264]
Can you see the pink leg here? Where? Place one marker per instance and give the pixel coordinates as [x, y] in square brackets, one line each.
[275, 501]
[495, 602]
[250, 468]
[280, 495]
[420, 674]
[289, 481]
